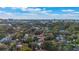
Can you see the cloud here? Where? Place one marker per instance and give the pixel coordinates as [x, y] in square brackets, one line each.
[76, 12]
[68, 10]
[36, 10]
[67, 16]
[39, 13]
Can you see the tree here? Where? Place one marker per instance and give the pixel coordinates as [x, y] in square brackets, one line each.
[3, 47]
[25, 48]
[50, 46]
[67, 47]
[29, 40]
[35, 39]
[2, 35]
[49, 37]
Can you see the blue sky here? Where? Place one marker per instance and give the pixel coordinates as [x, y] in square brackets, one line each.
[39, 12]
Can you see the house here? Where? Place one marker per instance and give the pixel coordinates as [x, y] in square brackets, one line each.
[6, 40]
[25, 37]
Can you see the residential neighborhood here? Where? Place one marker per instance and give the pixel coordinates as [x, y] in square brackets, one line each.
[39, 35]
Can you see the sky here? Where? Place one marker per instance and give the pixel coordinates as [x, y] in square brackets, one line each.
[39, 12]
